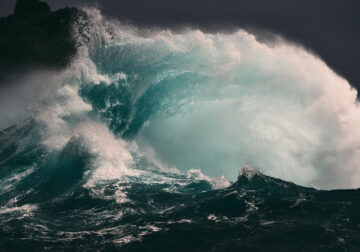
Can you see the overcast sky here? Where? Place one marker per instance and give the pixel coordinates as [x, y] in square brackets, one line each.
[328, 27]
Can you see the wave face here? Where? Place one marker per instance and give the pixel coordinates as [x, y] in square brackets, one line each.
[217, 102]
[140, 137]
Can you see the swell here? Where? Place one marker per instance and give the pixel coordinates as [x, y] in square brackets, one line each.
[217, 102]
[138, 139]
[193, 100]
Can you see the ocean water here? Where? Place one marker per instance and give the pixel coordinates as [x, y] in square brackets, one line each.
[155, 140]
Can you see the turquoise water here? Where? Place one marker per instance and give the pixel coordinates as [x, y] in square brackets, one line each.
[138, 144]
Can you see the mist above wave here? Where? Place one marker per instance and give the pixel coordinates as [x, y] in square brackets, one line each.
[221, 101]
[214, 102]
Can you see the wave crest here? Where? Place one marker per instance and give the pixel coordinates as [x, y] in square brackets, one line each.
[215, 102]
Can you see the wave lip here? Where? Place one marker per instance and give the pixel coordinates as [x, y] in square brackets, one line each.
[142, 131]
[215, 102]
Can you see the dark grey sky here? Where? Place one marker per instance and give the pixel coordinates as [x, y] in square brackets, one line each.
[331, 28]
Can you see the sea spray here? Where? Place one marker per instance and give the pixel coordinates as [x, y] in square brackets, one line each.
[137, 145]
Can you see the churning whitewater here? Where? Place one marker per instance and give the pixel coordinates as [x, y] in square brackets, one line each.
[214, 102]
[145, 130]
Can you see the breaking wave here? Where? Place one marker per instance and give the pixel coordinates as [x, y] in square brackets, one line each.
[214, 102]
[146, 129]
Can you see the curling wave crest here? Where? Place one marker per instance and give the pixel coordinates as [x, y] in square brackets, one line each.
[193, 100]
[217, 102]
[134, 146]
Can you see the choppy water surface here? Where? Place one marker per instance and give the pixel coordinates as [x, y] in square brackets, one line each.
[138, 145]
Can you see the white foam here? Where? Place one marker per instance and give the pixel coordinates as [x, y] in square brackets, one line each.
[113, 160]
[248, 172]
[276, 107]
[216, 183]
[24, 209]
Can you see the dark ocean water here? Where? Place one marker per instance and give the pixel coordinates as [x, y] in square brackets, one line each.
[137, 147]
[49, 208]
